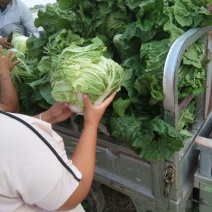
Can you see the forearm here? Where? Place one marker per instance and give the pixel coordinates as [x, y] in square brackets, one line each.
[83, 158]
[85, 153]
[9, 97]
[28, 23]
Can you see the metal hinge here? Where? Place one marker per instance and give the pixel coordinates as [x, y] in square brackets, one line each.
[169, 179]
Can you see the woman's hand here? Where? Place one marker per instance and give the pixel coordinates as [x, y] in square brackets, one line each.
[94, 113]
[56, 113]
[8, 94]
[6, 62]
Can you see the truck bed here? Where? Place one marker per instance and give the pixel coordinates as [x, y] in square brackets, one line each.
[118, 167]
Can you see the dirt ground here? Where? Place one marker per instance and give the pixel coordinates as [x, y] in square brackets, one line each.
[105, 199]
[116, 201]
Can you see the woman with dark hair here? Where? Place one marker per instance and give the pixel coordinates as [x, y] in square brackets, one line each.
[35, 173]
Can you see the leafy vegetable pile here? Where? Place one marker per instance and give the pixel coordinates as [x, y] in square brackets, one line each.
[135, 37]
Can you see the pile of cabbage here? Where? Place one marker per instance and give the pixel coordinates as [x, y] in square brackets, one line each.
[79, 68]
[85, 49]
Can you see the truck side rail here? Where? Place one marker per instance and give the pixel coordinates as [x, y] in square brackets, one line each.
[172, 108]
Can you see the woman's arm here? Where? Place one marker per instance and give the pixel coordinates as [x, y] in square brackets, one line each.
[85, 152]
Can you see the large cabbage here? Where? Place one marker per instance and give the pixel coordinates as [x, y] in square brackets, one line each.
[73, 78]
[19, 42]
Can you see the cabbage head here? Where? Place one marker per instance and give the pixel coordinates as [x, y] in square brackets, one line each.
[19, 42]
[73, 78]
